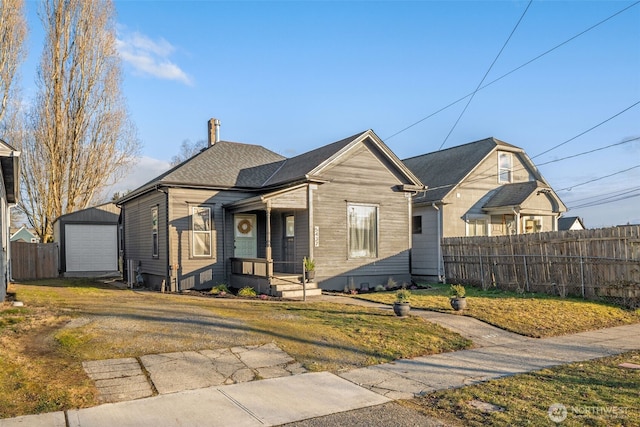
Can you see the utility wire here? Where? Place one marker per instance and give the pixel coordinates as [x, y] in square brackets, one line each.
[514, 70]
[608, 195]
[586, 131]
[598, 179]
[485, 75]
[626, 141]
[605, 201]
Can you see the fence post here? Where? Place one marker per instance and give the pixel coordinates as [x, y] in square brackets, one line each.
[582, 276]
[481, 270]
[526, 273]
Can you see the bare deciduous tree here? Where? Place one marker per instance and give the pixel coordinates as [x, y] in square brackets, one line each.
[81, 137]
[13, 30]
[188, 149]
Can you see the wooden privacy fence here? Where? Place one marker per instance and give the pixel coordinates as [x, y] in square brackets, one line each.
[31, 261]
[601, 263]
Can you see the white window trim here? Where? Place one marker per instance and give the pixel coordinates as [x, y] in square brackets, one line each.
[500, 169]
[208, 232]
[485, 218]
[155, 238]
[377, 248]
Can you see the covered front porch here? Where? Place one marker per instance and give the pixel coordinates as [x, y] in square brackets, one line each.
[271, 235]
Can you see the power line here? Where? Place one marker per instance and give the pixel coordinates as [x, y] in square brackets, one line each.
[626, 141]
[598, 179]
[514, 70]
[608, 195]
[606, 200]
[485, 75]
[586, 131]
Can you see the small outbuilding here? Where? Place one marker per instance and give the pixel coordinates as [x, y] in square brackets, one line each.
[88, 242]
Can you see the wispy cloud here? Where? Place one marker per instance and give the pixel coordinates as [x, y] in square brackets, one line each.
[150, 57]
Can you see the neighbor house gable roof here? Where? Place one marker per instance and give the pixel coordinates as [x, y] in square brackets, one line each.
[566, 222]
[443, 170]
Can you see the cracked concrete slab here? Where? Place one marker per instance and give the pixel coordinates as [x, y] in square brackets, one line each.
[125, 379]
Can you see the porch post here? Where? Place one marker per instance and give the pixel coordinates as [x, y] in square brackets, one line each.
[268, 237]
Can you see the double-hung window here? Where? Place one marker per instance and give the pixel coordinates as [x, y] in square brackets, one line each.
[201, 231]
[154, 232]
[505, 167]
[362, 223]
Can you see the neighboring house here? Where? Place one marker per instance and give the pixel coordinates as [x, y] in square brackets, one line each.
[570, 223]
[484, 188]
[88, 241]
[23, 234]
[243, 215]
[9, 191]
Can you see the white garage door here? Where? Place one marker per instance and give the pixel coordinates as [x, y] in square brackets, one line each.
[91, 247]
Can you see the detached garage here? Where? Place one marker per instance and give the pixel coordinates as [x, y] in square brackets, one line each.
[88, 242]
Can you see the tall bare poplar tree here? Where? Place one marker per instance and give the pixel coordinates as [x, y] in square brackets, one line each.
[81, 134]
[13, 30]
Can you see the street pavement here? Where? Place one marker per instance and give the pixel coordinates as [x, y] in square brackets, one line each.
[263, 386]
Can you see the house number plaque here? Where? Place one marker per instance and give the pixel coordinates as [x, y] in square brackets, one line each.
[316, 236]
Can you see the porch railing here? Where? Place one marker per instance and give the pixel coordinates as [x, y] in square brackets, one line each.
[260, 267]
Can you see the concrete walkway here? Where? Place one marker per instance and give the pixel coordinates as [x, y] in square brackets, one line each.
[293, 398]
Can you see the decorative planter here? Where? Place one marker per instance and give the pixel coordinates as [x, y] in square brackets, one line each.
[311, 275]
[458, 303]
[401, 309]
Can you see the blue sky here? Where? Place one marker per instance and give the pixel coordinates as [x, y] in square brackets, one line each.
[296, 75]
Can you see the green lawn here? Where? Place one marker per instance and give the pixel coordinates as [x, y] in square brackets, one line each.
[533, 315]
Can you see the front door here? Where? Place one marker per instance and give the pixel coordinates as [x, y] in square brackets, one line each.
[288, 244]
[245, 241]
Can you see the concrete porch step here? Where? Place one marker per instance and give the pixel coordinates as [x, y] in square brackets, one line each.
[292, 286]
[295, 290]
[286, 279]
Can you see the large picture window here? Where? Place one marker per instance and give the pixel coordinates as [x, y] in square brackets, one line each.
[201, 231]
[154, 232]
[505, 167]
[363, 231]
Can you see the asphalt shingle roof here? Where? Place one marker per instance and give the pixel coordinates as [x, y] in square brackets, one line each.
[298, 167]
[226, 164]
[441, 170]
[513, 194]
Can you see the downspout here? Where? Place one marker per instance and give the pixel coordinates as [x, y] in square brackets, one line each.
[440, 261]
[169, 267]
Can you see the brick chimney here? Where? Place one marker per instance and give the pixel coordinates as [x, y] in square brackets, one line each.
[214, 131]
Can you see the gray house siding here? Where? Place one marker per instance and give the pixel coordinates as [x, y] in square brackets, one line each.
[138, 242]
[361, 179]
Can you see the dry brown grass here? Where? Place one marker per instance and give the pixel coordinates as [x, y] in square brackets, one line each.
[66, 322]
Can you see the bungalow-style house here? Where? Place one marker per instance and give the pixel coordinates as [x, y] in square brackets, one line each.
[88, 241]
[23, 234]
[570, 223]
[484, 188]
[243, 215]
[9, 191]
